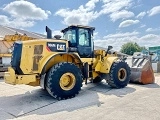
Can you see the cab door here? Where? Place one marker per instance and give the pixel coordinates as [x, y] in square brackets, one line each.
[85, 49]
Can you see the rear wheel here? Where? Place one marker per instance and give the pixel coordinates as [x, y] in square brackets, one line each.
[64, 81]
[119, 74]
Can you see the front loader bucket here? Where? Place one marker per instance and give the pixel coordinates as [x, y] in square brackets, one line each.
[141, 69]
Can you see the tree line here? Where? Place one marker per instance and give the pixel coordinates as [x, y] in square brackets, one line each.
[131, 47]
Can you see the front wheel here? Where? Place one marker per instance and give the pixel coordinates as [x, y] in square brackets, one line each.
[119, 75]
[64, 80]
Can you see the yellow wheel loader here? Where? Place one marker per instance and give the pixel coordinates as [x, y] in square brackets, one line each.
[61, 65]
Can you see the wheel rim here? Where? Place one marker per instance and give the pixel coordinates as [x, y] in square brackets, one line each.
[122, 74]
[67, 81]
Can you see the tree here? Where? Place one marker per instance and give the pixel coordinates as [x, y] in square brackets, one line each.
[130, 47]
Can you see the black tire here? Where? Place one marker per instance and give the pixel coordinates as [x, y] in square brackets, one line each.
[119, 74]
[53, 85]
[98, 79]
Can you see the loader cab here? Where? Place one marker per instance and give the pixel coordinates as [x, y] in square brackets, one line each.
[80, 37]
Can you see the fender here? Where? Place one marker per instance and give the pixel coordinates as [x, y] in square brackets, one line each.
[105, 65]
[43, 68]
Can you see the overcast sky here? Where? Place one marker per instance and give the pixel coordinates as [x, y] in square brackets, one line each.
[116, 21]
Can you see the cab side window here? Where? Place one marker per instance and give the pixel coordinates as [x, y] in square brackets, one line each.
[83, 37]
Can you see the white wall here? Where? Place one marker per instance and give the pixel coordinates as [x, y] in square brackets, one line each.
[6, 61]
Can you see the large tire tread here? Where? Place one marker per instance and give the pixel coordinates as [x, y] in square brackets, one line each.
[51, 80]
[113, 81]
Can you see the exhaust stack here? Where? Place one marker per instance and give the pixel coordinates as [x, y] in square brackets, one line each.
[49, 33]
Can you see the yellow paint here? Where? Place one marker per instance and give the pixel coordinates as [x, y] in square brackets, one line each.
[17, 37]
[103, 63]
[67, 81]
[94, 74]
[28, 53]
[107, 63]
[12, 78]
[122, 74]
[5, 55]
[57, 58]
[89, 60]
[98, 66]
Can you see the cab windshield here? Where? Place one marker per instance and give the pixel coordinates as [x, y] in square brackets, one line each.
[70, 35]
[78, 37]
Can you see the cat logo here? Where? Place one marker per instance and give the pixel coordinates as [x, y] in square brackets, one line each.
[56, 46]
[61, 47]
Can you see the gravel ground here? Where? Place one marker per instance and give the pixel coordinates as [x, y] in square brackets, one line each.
[95, 101]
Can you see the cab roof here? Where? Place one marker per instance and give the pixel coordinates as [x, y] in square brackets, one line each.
[78, 26]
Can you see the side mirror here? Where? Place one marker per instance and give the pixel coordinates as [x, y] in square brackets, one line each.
[109, 48]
